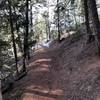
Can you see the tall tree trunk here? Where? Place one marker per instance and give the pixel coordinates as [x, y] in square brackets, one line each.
[19, 37]
[19, 43]
[1, 98]
[26, 47]
[31, 17]
[96, 23]
[47, 29]
[90, 37]
[74, 13]
[58, 20]
[12, 32]
[48, 23]
[65, 26]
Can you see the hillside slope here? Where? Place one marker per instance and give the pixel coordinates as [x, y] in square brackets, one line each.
[66, 71]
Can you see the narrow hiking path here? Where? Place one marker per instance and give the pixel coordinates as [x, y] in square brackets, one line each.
[41, 83]
[71, 73]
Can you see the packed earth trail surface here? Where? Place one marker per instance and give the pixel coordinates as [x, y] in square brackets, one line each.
[64, 71]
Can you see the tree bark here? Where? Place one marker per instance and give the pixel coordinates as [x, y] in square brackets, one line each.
[90, 37]
[12, 33]
[19, 36]
[58, 20]
[31, 17]
[47, 28]
[96, 23]
[26, 47]
[1, 97]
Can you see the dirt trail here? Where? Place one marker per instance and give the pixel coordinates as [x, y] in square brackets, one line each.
[66, 71]
[41, 80]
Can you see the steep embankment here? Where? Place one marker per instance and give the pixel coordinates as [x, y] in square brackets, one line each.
[66, 71]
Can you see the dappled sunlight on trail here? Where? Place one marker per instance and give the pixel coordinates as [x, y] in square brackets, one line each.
[60, 74]
[40, 93]
[39, 61]
[41, 81]
[43, 85]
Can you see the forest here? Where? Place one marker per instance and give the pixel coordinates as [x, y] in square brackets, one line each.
[49, 49]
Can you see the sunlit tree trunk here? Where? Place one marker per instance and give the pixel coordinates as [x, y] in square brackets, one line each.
[12, 33]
